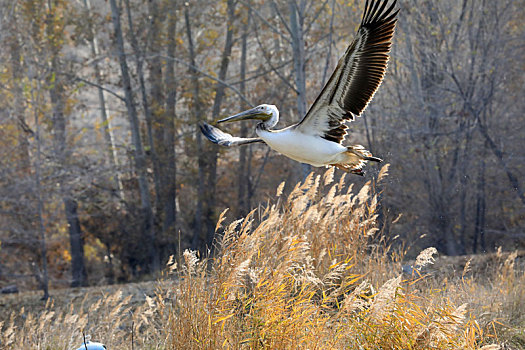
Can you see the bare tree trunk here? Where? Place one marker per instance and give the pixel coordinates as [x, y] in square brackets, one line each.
[57, 96]
[139, 156]
[169, 164]
[330, 43]
[212, 149]
[148, 115]
[157, 103]
[155, 41]
[78, 269]
[479, 228]
[19, 104]
[463, 187]
[77, 243]
[297, 13]
[243, 173]
[106, 122]
[195, 242]
[43, 279]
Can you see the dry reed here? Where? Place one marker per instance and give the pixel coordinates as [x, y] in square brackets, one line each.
[311, 271]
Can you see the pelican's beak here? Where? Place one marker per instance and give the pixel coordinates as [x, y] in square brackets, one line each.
[253, 113]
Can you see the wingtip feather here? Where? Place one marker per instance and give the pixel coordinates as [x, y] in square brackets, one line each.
[375, 12]
[207, 131]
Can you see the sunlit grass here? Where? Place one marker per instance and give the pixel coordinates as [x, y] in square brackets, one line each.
[310, 271]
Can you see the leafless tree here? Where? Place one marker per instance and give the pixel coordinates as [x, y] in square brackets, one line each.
[139, 155]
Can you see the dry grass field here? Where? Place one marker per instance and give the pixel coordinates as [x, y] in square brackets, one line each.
[311, 271]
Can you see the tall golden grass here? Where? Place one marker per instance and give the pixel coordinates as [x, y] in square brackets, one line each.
[310, 271]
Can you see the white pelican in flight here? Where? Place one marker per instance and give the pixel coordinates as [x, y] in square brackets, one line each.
[317, 138]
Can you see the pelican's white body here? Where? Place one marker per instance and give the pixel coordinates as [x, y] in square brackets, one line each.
[303, 144]
[304, 148]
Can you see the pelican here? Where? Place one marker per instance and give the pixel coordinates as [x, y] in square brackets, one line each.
[318, 138]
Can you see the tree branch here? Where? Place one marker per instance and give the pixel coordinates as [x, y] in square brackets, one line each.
[220, 81]
[276, 8]
[261, 17]
[111, 92]
[499, 154]
[263, 72]
[274, 69]
[316, 15]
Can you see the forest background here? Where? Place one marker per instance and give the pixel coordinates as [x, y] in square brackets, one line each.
[104, 174]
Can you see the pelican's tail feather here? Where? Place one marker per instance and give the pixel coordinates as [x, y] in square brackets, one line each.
[354, 159]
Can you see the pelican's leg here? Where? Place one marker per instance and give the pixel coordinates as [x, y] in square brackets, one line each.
[359, 172]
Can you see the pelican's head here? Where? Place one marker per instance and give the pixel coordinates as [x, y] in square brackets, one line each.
[268, 114]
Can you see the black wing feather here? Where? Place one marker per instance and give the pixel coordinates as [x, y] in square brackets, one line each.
[357, 76]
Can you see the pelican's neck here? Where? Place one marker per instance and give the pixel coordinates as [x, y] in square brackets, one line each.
[272, 121]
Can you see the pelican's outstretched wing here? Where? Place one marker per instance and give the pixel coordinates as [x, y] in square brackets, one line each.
[219, 137]
[357, 75]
